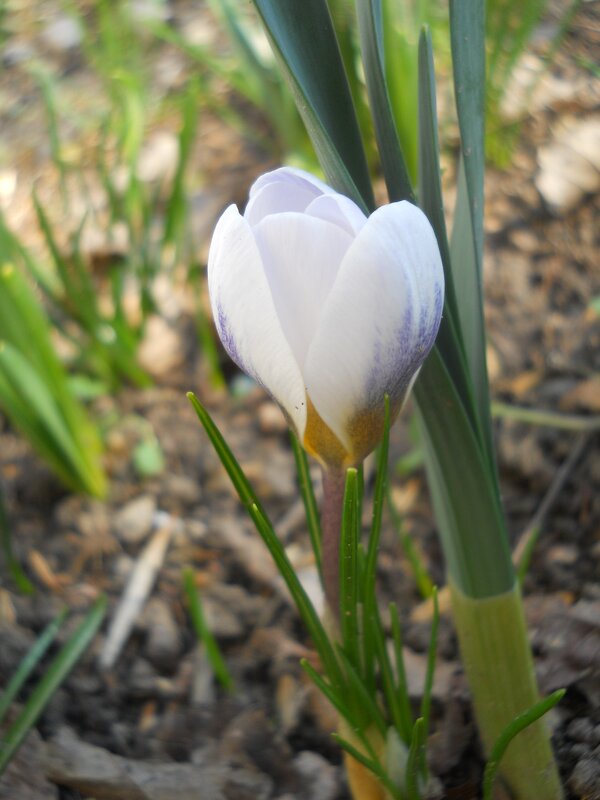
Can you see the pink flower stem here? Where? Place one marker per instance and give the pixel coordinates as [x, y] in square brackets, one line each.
[334, 481]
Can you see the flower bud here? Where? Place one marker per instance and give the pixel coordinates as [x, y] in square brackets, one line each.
[327, 309]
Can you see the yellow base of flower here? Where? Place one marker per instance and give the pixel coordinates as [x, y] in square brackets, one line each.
[363, 784]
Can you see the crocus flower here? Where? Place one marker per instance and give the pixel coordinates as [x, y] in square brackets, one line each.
[326, 308]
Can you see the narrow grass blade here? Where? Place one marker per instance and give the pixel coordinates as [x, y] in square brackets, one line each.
[210, 351]
[405, 713]
[551, 419]
[388, 683]
[32, 408]
[414, 761]
[308, 498]
[349, 577]
[304, 40]
[240, 482]
[370, 763]
[378, 503]
[265, 529]
[370, 25]
[366, 709]
[204, 633]
[16, 572]
[175, 217]
[335, 694]
[429, 675]
[516, 726]
[420, 574]
[30, 661]
[305, 608]
[54, 676]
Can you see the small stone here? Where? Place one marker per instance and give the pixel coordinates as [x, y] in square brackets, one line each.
[585, 780]
[64, 33]
[569, 167]
[163, 644]
[161, 350]
[581, 730]
[223, 623]
[158, 158]
[319, 778]
[203, 678]
[183, 488]
[271, 419]
[196, 530]
[149, 10]
[134, 521]
[563, 554]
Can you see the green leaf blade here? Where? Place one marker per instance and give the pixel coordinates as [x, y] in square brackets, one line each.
[304, 40]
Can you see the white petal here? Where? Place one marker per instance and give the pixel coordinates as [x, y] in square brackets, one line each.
[273, 198]
[338, 209]
[245, 315]
[381, 317]
[301, 256]
[291, 176]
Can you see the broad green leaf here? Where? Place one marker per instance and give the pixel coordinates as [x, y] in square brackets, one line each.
[449, 340]
[467, 283]
[467, 37]
[467, 34]
[464, 491]
[370, 25]
[430, 184]
[304, 41]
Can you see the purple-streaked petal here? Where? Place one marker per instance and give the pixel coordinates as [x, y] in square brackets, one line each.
[380, 320]
[301, 256]
[339, 210]
[245, 315]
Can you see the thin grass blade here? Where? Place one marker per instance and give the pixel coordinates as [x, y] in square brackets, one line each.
[405, 712]
[414, 761]
[204, 633]
[30, 661]
[308, 498]
[54, 676]
[419, 570]
[16, 571]
[429, 675]
[516, 726]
